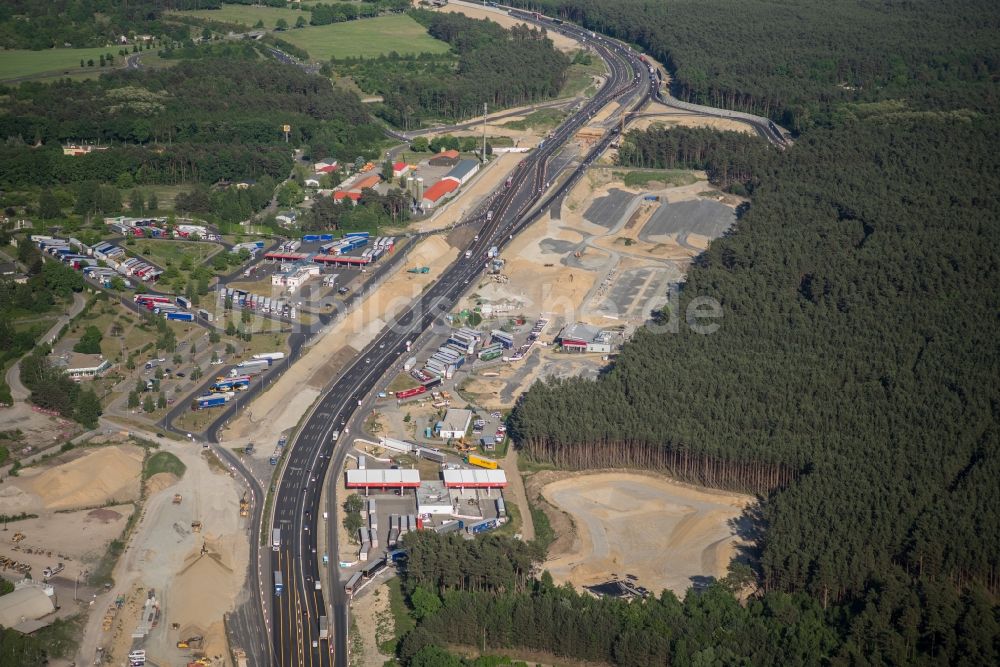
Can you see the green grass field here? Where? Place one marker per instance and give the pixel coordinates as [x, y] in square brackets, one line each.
[163, 462]
[671, 177]
[365, 38]
[248, 15]
[171, 253]
[20, 63]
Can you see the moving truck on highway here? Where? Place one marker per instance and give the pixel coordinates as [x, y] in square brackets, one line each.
[279, 584]
[324, 628]
[482, 462]
[269, 356]
[275, 539]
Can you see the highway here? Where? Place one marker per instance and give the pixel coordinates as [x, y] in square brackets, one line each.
[295, 633]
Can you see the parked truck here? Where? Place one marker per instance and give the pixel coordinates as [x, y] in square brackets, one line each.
[254, 363]
[209, 401]
[181, 317]
[482, 462]
[269, 356]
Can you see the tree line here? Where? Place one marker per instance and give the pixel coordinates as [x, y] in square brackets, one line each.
[487, 64]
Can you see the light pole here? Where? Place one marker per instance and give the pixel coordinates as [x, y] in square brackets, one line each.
[76, 582]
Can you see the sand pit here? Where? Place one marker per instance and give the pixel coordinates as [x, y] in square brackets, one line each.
[664, 533]
[669, 116]
[559, 41]
[97, 477]
[290, 397]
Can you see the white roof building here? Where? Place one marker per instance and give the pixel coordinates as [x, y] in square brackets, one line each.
[79, 366]
[27, 602]
[455, 423]
[475, 478]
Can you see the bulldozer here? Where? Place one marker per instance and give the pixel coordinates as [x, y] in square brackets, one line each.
[245, 505]
[196, 526]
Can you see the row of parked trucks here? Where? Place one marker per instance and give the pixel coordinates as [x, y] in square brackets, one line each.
[264, 304]
[84, 258]
[224, 389]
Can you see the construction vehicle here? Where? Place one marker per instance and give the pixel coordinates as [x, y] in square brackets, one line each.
[240, 657]
[17, 537]
[51, 571]
[419, 269]
[191, 642]
[177, 499]
[245, 505]
[196, 526]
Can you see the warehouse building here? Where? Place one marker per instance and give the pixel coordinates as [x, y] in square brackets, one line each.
[438, 192]
[455, 423]
[581, 337]
[463, 171]
[433, 498]
[295, 276]
[22, 608]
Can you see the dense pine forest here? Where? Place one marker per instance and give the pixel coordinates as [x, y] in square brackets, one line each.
[800, 62]
[487, 63]
[851, 383]
[202, 121]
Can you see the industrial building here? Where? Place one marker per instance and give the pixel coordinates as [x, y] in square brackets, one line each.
[435, 194]
[22, 608]
[433, 498]
[295, 275]
[581, 337]
[455, 423]
[463, 171]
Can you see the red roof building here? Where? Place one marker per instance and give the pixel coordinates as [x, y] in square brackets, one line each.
[434, 194]
[452, 153]
[340, 196]
[366, 182]
[399, 168]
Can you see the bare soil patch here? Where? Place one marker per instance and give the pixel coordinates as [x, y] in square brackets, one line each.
[665, 533]
[96, 477]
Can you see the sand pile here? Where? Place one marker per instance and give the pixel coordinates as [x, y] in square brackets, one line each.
[110, 473]
[160, 481]
[204, 590]
[14, 499]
